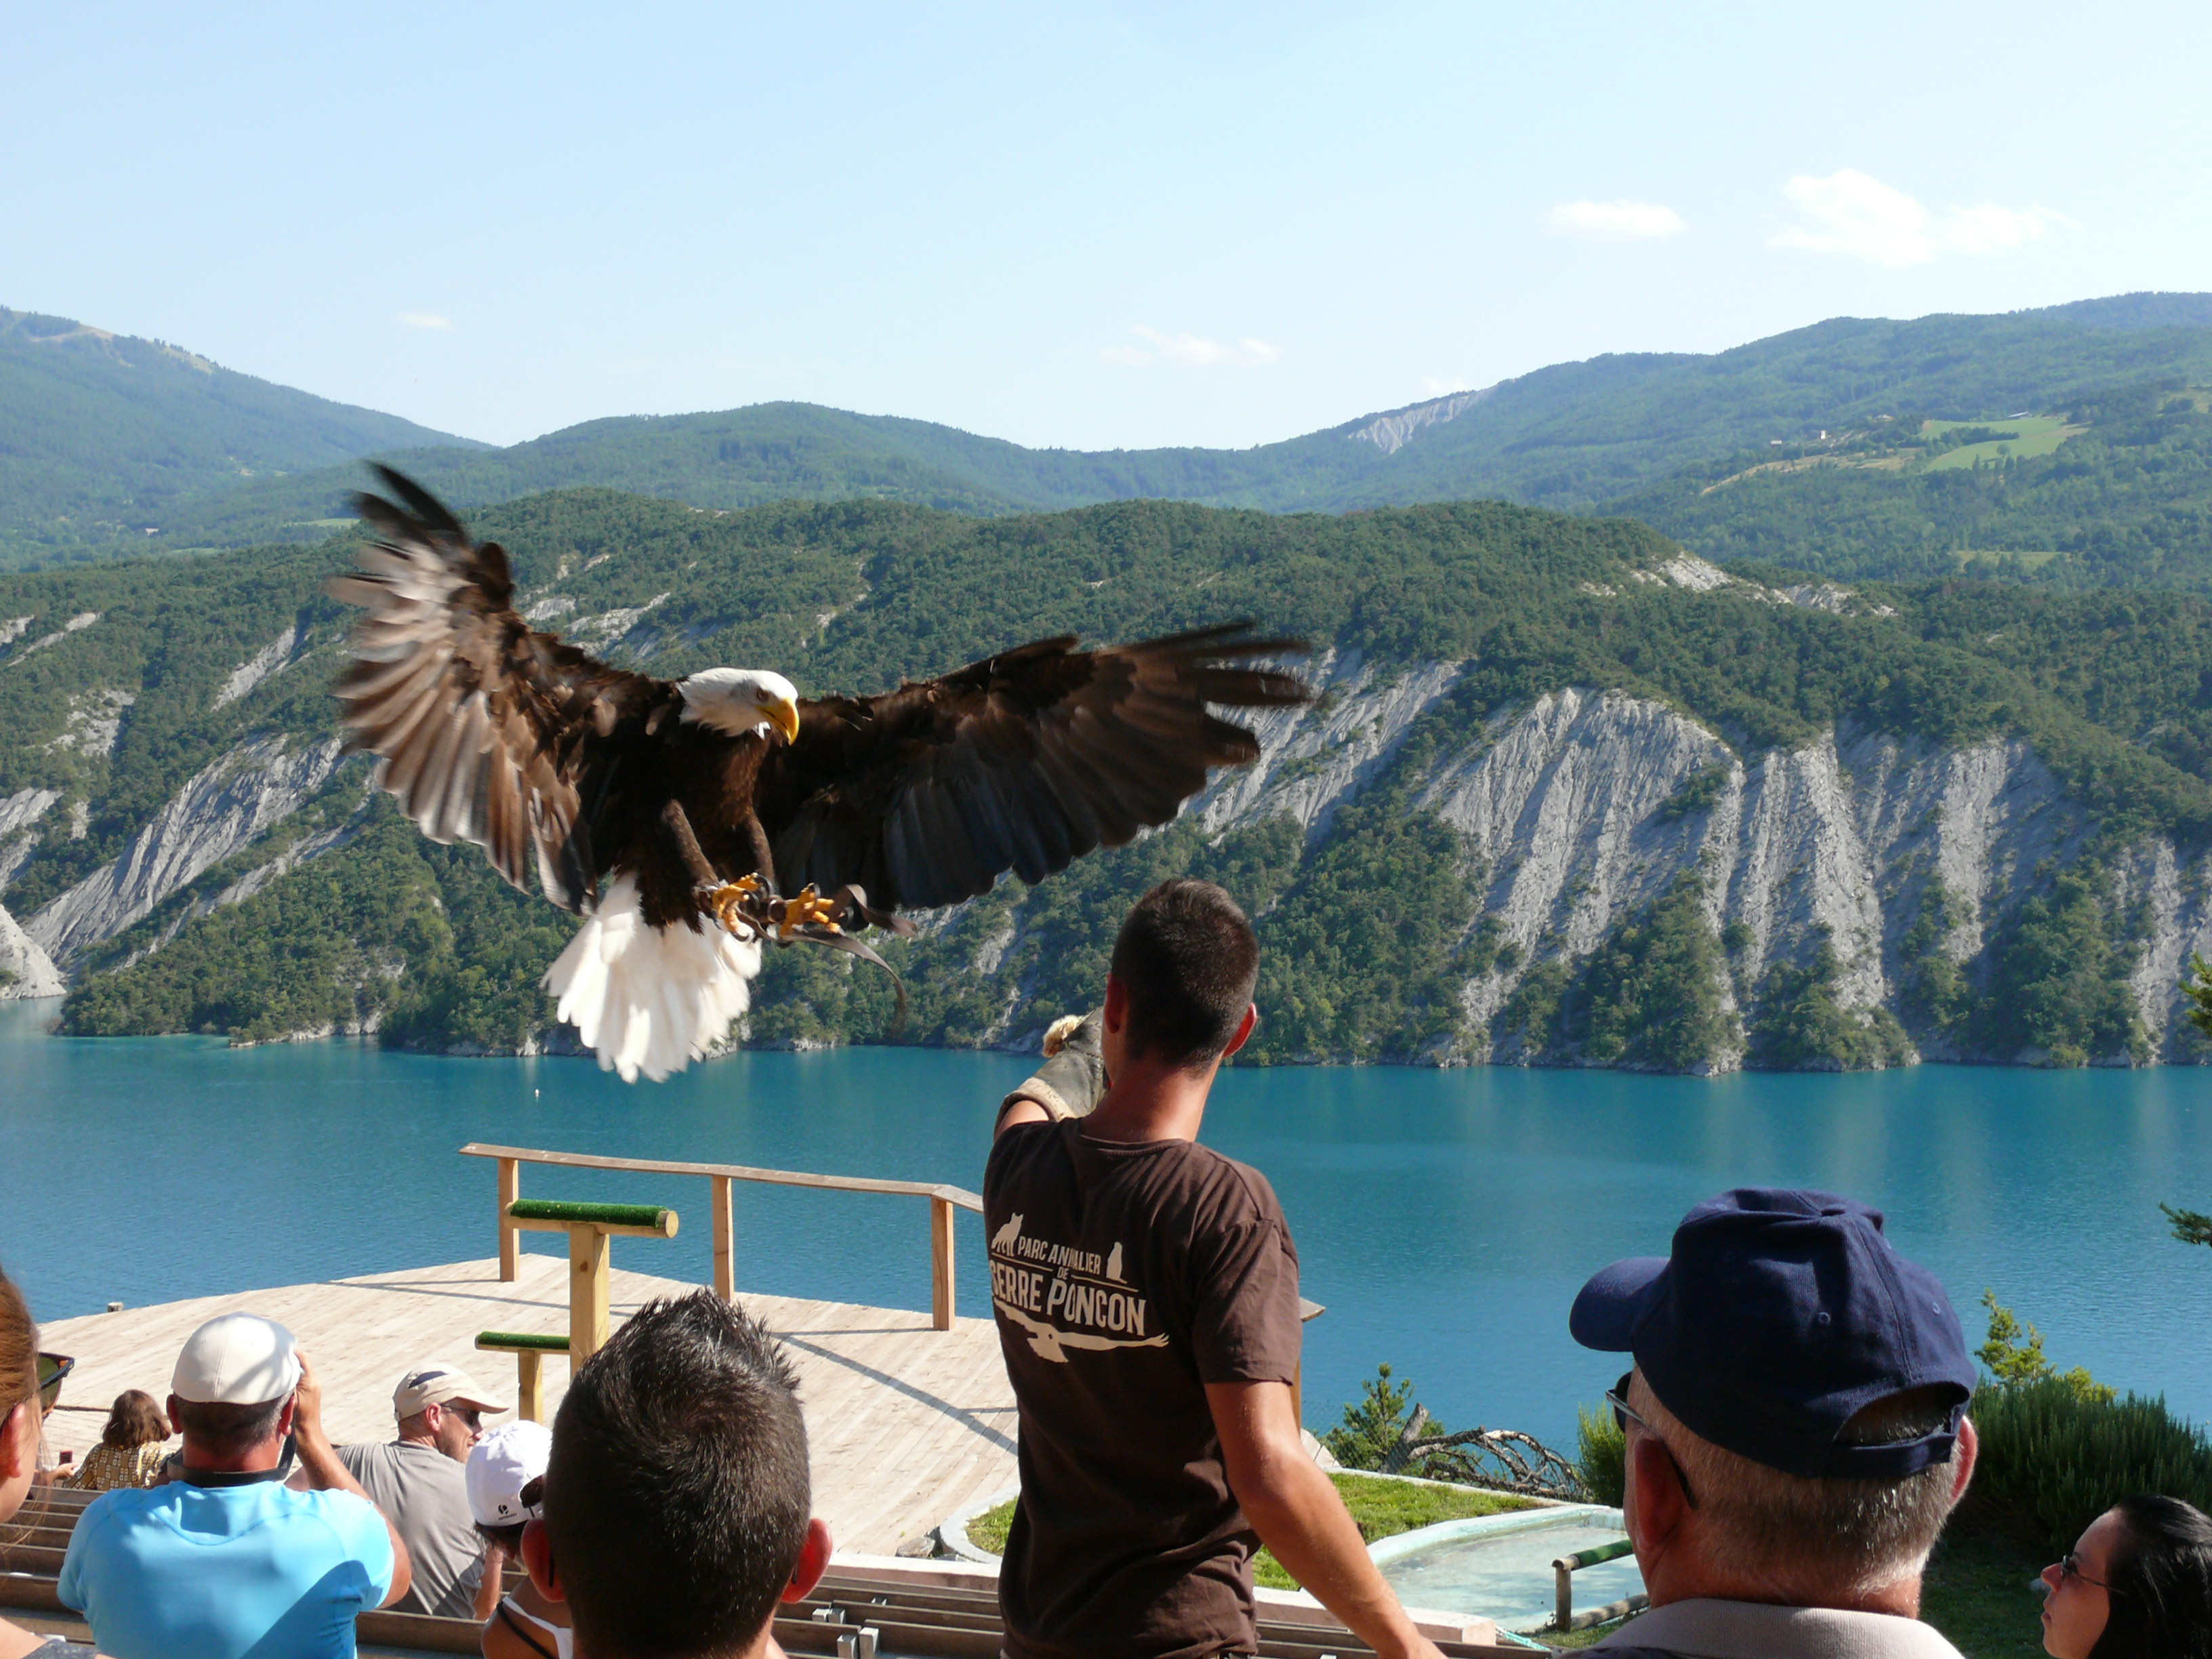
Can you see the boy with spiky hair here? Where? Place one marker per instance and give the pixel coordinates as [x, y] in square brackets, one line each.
[678, 1508]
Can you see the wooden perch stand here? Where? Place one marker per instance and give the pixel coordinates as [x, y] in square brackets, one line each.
[589, 1227]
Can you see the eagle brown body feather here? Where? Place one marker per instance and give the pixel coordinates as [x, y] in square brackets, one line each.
[496, 733]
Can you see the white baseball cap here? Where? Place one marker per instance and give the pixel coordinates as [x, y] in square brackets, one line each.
[237, 1359]
[500, 1465]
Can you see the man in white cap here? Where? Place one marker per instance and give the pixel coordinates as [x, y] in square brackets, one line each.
[226, 1560]
[417, 1480]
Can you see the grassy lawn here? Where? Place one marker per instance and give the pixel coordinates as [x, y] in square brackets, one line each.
[1382, 1509]
[2030, 435]
[1977, 1592]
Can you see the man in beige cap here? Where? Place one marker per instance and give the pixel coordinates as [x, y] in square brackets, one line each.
[419, 1481]
[224, 1561]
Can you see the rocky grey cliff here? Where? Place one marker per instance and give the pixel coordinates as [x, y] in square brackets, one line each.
[224, 808]
[25, 970]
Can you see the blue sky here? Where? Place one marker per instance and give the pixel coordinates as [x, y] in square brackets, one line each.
[1092, 225]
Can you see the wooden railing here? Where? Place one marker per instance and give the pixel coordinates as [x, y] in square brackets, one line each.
[943, 1202]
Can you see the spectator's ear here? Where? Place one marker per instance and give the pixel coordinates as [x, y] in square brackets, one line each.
[1117, 1005]
[176, 1418]
[813, 1562]
[537, 1561]
[1655, 1503]
[286, 1418]
[19, 1440]
[1244, 1028]
[1964, 1456]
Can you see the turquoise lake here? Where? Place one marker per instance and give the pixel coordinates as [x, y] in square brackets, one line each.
[1446, 1219]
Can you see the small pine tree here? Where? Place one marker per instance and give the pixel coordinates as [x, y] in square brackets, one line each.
[1372, 1422]
[2014, 1356]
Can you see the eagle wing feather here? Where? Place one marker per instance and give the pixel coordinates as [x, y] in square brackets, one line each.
[1023, 762]
[490, 732]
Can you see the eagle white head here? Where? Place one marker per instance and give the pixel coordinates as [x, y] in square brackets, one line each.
[741, 700]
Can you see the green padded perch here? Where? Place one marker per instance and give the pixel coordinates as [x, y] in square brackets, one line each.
[530, 1341]
[597, 1215]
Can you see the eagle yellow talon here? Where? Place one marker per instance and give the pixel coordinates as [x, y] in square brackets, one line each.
[808, 910]
[728, 902]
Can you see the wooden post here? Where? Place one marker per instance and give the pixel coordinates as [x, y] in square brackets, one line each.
[941, 1264]
[510, 1240]
[587, 1294]
[530, 1397]
[725, 1239]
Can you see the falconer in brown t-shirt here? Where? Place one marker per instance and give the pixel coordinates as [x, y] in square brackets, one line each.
[1146, 1292]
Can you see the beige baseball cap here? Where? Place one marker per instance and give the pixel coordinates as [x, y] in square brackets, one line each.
[434, 1382]
[237, 1359]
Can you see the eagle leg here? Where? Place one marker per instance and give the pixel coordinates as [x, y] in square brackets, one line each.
[732, 903]
[763, 855]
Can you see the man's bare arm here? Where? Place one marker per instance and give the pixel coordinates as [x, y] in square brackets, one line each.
[319, 1459]
[1298, 1514]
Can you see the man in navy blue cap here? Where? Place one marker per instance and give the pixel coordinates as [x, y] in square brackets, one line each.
[1796, 1427]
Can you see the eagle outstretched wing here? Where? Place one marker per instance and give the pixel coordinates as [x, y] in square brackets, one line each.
[1023, 762]
[490, 731]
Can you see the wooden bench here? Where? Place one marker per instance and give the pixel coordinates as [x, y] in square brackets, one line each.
[853, 1611]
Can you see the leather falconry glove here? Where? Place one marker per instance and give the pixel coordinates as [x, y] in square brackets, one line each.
[1072, 1078]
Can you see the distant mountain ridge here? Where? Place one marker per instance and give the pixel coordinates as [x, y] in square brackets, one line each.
[102, 435]
[1642, 433]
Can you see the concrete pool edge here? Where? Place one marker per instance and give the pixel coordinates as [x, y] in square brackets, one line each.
[1385, 1552]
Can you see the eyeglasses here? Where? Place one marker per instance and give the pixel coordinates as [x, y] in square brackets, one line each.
[2069, 1566]
[1624, 1414]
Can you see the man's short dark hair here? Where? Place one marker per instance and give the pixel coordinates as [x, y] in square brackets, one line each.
[227, 1430]
[1187, 961]
[677, 1500]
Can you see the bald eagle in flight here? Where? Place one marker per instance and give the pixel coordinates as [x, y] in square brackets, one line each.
[690, 821]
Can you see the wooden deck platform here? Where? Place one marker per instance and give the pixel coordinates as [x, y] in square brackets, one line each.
[906, 1423]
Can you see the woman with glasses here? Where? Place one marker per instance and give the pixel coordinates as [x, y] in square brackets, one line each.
[2137, 1585]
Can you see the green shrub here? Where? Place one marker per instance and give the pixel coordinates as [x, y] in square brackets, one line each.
[2053, 1460]
[1602, 1459]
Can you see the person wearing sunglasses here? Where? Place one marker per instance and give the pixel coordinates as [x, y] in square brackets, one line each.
[418, 1479]
[2137, 1585]
[1795, 1426]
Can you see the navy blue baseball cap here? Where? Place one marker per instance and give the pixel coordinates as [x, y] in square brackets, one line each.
[1779, 1316]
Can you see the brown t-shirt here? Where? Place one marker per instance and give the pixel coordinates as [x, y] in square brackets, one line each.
[1125, 1277]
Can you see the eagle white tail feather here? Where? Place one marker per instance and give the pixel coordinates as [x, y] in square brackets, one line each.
[650, 999]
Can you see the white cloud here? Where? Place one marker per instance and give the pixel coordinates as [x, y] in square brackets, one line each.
[1615, 221]
[427, 319]
[1190, 351]
[1847, 212]
[1443, 388]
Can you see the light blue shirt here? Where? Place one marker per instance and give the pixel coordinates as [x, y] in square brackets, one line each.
[219, 1572]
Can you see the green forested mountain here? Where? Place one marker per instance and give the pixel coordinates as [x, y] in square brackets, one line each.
[102, 436]
[2119, 495]
[1688, 442]
[1429, 883]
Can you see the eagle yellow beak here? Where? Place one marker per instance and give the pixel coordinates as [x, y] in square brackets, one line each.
[783, 714]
